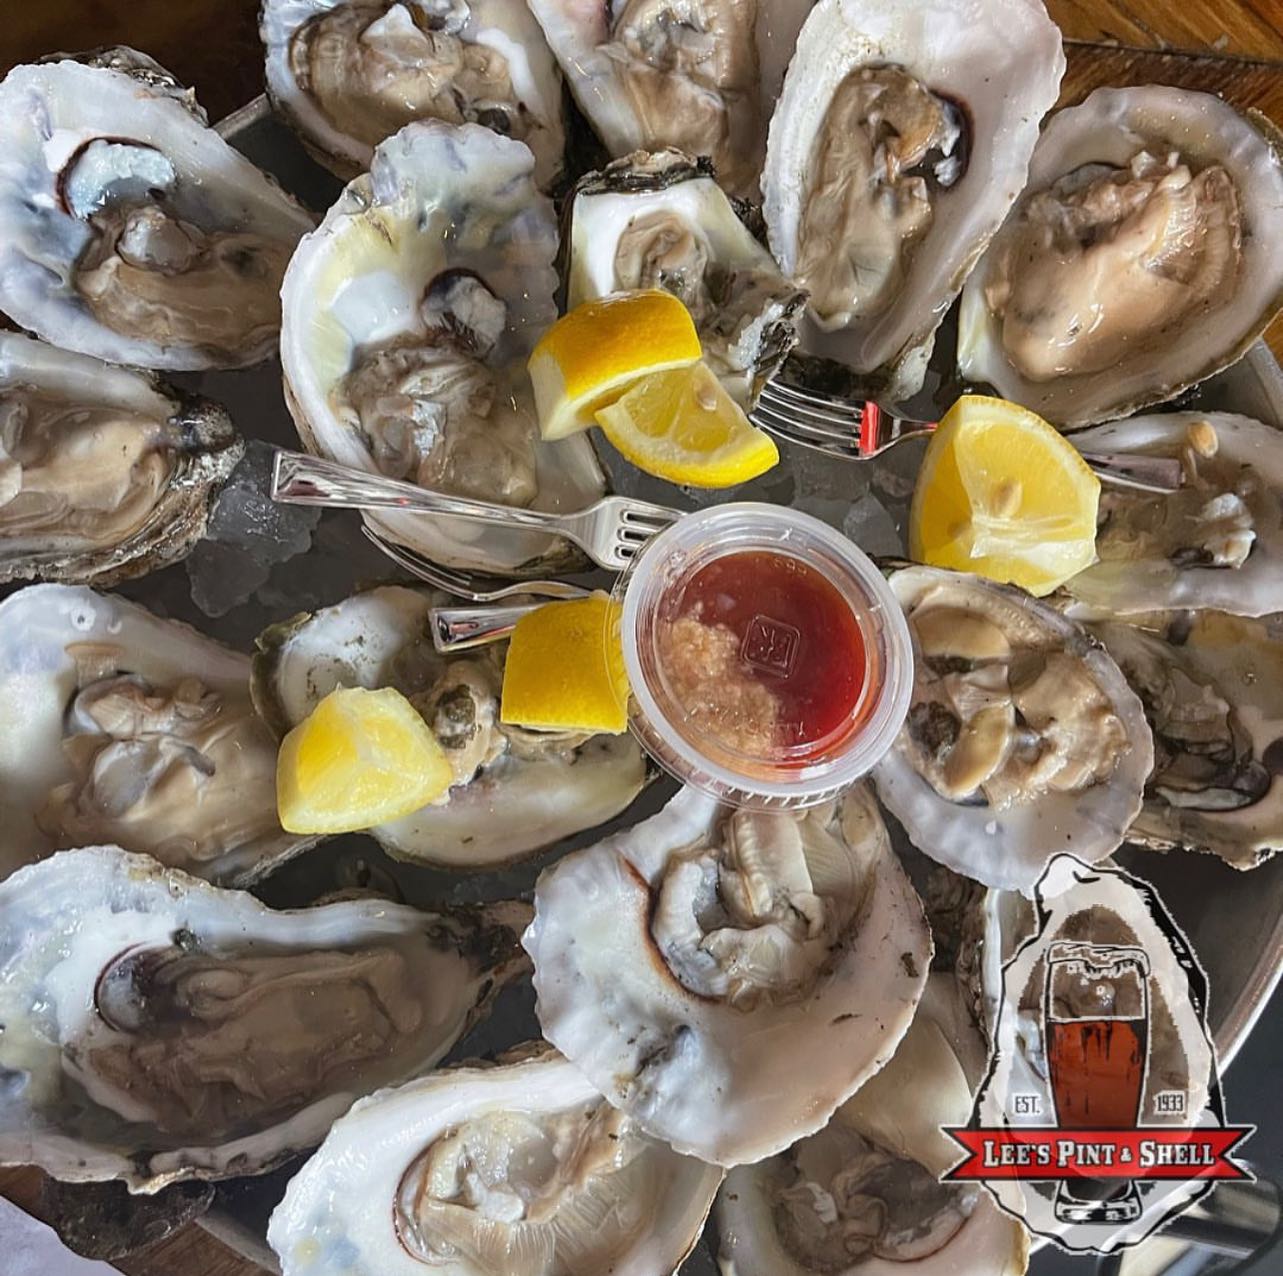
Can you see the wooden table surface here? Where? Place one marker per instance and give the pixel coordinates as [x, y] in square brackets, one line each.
[1231, 47]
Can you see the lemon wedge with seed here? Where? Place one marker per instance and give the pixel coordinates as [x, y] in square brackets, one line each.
[565, 669]
[591, 355]
[358, 759]
[1005, 495]
[683, 426]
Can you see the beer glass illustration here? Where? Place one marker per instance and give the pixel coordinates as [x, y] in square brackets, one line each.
[1096, 1016]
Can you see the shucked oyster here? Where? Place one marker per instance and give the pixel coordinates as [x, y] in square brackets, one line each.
[660, 221]
[120, 726]
[1139, 260]
[348, 73]
[697, 75]
[728, 978]
[1023, 738]
[408, 317]
[1212, 687]
[901, 138]
[104, 472]
[521, 1169]
[515, 791]
[128, 229]
[157, 1028]
[1217, 542]
[863, 1197]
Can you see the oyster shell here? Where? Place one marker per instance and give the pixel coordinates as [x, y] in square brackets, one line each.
[129, 230]
[1023, 737]
[521, 1168]
[408, 317]
[863, 1195]
[698, 75]
[1212, 687]
[661, 221]
[1218, 542]
[105, 473]
[158, 1028]
[688, 965]
[516, 791]
[900, 140]
[122, 726]
[348, 73]
[1138, 261]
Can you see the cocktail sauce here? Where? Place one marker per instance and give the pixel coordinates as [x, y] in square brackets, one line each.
[779, 624]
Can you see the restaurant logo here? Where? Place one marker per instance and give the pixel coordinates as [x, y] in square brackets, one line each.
[1101, 1115]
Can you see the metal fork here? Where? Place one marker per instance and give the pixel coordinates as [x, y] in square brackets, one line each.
[610, 531]
[477, 589]
[860, 431]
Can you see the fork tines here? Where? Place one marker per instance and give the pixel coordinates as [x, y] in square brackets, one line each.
[834, 426]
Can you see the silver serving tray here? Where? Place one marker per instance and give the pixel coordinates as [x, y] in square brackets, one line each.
[1234, 920]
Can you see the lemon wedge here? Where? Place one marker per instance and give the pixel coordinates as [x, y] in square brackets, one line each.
[565, 669]
[358, 759]
[1004, 494]
[684, 427]
[596, 351]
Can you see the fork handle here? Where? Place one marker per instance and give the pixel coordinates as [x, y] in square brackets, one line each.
[298, 479]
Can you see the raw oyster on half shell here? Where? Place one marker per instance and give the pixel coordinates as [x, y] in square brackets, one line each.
[515, 790]
[1212, 687]
[1217, 542]
[1139, 261]
[348, 73]
[728, 978]
[697, 75]
[157, 1028]
[519, 1168]
[863, 1197]
[900, 140]
[128, 229]
[105, 473]
[121, 726]
[408, 317]
[661, 221]
[1023, 738]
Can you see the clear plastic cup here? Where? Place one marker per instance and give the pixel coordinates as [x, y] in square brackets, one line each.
[736, 623]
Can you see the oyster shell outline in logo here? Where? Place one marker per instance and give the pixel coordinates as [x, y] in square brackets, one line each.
[1139, 1023]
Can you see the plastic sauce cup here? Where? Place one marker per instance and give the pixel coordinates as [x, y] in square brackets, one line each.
[769, 662]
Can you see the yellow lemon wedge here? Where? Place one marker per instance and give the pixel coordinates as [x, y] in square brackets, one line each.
[358, 759]
[591, 355]
[683, 426]
[565, 669]
[1003, 494]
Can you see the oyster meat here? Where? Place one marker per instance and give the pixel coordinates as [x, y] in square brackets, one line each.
[348, 73]
[105, 473]
[1138, 261]
[408, 317]
[128, 229]
[900, 140]
[1212, 687]
[661, 221]
[1217, 542]
[158, 1028]
[515, 791]
[697, 75]
[121, 726]
[1022, 738]
[863, 1196]
[520, 1168]
[728, 978]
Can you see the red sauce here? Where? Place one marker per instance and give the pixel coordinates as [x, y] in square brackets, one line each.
[795, 636]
